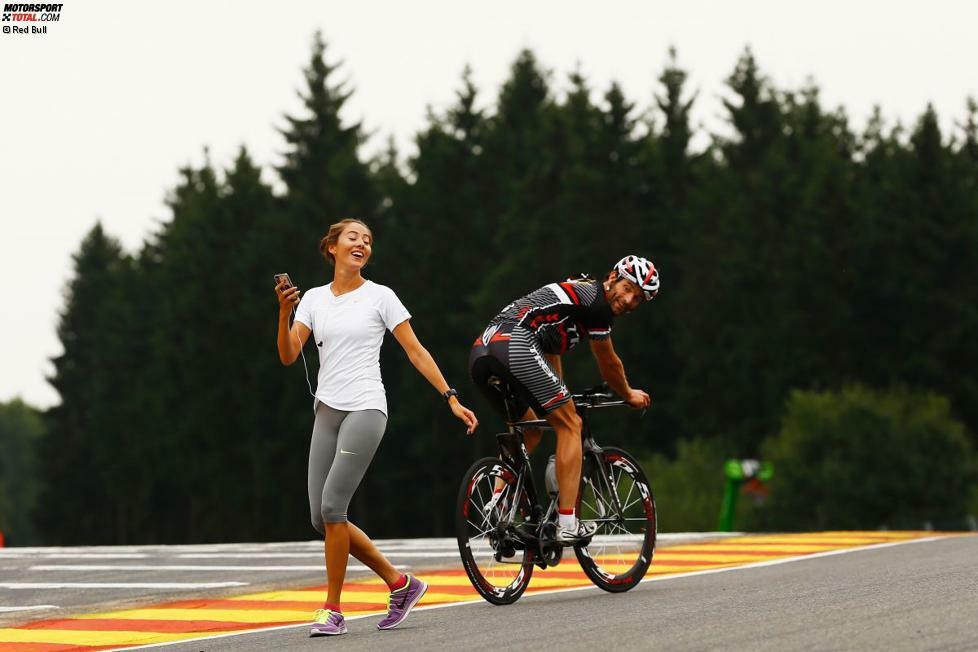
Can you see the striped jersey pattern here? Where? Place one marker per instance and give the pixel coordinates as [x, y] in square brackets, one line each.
[559, 314]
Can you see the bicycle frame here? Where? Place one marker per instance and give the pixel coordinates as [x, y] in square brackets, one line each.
[501, 522]
[520, 460]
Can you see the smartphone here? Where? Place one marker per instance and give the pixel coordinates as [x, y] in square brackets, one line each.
[288, 282]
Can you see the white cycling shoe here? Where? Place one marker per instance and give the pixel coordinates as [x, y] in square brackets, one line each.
[573, 536]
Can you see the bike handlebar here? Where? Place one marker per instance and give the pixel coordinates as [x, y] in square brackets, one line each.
[597, 396]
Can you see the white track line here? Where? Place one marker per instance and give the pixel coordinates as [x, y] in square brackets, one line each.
[392, 553]
[301, 555]
[385, 545]
[661, 578]
[119, 585]
[92, 555]
[31, 608]
[249, 555]
[98, 567]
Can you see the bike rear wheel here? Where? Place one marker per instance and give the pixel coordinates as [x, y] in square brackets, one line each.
[497, 563]
[621, 504]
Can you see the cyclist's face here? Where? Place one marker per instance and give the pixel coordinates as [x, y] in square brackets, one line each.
[623, 296]
[353, 246]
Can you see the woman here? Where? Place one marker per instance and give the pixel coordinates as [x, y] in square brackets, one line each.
[348, 318]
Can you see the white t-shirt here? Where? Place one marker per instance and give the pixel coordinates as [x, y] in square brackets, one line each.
[348, 330]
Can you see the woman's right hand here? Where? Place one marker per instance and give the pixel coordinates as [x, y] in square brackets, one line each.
[288, 297]
[466, 415]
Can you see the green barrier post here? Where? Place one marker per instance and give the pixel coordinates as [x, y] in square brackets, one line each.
[737, 472]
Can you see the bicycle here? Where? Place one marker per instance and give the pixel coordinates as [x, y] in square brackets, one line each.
[503, 531]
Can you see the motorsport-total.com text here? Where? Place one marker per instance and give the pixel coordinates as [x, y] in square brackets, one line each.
[32, 12]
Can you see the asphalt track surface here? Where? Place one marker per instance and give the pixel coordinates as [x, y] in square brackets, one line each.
[913, 596]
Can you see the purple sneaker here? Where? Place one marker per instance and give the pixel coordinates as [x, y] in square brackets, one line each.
[327, 623]
[402, 601]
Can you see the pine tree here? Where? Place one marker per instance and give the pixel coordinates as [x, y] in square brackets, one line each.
[326, 180]
[970, 128]
[676, 131]
[523, 149]
[83, 457]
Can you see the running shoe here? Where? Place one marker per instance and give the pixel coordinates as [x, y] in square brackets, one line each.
[401, 601]
[327, 623]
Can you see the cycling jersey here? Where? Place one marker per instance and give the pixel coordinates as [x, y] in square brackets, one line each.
[550, 320]
[558, 314]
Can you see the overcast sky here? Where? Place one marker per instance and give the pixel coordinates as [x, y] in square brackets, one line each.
[98, 114]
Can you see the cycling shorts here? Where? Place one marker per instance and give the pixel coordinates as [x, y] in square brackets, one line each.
[513, 353]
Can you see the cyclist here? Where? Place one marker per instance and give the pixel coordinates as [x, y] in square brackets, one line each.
[523, 344]
[348, 318]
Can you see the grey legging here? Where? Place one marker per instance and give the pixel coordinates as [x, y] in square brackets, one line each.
[343, 444]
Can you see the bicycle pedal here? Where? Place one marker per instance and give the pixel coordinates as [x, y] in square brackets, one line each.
[573, 543]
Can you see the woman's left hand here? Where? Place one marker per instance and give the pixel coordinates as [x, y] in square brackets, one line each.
[465, 414]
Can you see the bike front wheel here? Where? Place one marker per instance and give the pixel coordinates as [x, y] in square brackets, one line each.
[489, 509]
[616, 496]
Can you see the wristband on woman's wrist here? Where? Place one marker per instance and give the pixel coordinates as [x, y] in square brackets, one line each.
[449, 394]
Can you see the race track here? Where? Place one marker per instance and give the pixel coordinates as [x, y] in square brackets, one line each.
[872, 590]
